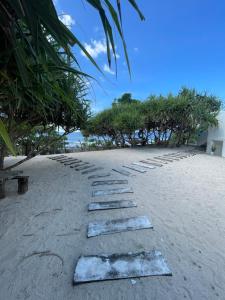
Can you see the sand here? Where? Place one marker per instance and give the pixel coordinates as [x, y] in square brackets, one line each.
[43, 232]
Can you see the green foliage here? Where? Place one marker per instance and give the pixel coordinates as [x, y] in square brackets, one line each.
[175, 118]
[36, 77]
[45, 140]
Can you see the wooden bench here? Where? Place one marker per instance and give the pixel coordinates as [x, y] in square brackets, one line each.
[12, 175]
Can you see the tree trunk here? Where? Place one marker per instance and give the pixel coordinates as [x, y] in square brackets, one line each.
[2, 155]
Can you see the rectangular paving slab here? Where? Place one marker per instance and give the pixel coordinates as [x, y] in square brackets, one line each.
[142, 165]
[156, 161]
[123, 172]
[92, 170]
[56, 157]
[111, 205]
[135, 169]
[84, 167]
[79, 165]
[66, 160]
[165, 159]
[151, 163]
[118, 225]
[109, 182]
[77, 161]
[99, 175]
[61, 158]
[120, 266]
[111, 192]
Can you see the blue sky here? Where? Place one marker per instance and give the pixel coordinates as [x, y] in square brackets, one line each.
[181, 43]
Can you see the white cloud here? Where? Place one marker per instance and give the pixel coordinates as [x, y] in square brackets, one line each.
[136, 49]
[96, 48]
[67, 20]
[107, 69]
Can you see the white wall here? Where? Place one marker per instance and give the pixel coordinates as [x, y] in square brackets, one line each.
[217, 133]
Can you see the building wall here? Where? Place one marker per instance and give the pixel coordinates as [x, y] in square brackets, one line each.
[216, 136]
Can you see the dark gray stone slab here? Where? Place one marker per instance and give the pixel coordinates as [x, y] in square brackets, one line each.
[142, 165]
[77, 161]
[111, 192]
[148, 162]
[84, 167]
[79, 165]
[99, 175]
[61, 158]
[118, 225]
[120, 266]
[156, 161]
[109, 182]
[178, 156]
[111, 205]
[66, 160]
[57, 157]
[92, 170]
[122, 172]
[172, 153]
[164, 159]
[135, 169]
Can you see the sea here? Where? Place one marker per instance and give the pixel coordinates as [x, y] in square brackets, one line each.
[74, 139]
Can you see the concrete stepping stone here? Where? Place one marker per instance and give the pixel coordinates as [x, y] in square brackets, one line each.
[92, 170]
[73, 162]
[109, 182]
[111, 205]
[179, 156]
[99, 175]
[79, 165]
[61, 158]
[120, 266]
[135, 169]
[123, 172]
[156, 161]
[142, 165]
[66, 160]
[173, 153]
[118, 225]
[56, 157]
[168, 160]
[111, 192]
[176, 157]
[151, 163]
[84, 167]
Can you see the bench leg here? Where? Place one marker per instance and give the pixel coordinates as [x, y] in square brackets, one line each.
[22, 185]
[2, 188]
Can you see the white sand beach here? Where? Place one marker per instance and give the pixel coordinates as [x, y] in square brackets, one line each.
[43, 232]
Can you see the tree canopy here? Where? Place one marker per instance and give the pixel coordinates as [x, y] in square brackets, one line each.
[41, 80]
[158, 119]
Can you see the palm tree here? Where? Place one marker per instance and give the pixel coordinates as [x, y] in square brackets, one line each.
[32, 39]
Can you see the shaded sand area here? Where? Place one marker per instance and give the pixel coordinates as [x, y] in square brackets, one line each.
[43, 232]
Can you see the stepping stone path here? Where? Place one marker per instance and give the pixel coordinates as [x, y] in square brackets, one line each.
[109, 182]
[118, 225]
[92, 170]
[119, 266]
[111, 205]
[99, 176]
[135, 169]
[122, 172]
[84, 167]
[111, 192]
[126, 265]
[143, 165]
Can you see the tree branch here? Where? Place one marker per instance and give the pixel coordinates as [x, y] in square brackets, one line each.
[33, 153]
